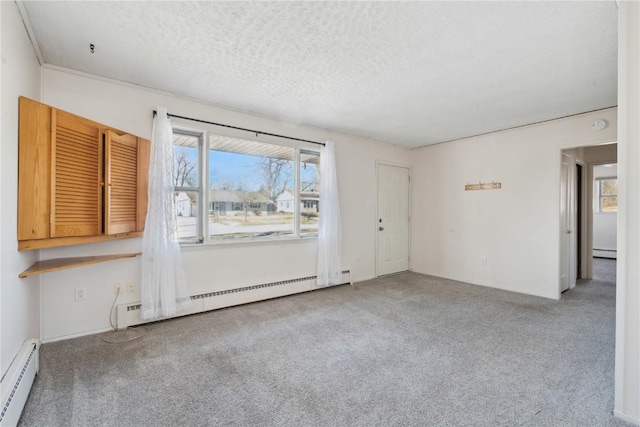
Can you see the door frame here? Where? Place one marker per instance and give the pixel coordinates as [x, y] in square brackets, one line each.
[569, 227]
[586, 248]
[580, 218]
[409, 209]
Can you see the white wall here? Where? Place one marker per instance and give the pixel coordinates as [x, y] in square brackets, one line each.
[604, 223]
[606, 153]
[627, 404]
[20, 306]
[208, 268]
[517, 227]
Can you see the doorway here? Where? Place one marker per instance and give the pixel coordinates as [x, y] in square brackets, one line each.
[578, 210]
[567, 217]
[579, 218]
[392, 221]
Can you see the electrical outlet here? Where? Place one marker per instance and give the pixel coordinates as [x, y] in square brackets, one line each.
[81, 294]
[131, 287]
[483, 260]
[118, 289]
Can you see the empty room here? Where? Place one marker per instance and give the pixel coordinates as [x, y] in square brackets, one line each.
[320, 213]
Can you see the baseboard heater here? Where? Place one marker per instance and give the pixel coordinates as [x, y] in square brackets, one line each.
[605, 253]
[16, 384]
[129, 314]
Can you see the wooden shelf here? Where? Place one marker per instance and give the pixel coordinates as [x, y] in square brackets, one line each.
[64, 263]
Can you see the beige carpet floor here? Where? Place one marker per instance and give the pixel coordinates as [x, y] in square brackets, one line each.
[405, 350]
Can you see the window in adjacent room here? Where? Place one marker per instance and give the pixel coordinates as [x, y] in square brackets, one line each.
[608, 194]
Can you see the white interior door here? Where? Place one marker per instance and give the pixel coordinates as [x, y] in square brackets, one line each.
[392, 225]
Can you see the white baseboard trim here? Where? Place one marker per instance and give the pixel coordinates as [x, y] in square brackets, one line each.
[76, 335]
[625, 417]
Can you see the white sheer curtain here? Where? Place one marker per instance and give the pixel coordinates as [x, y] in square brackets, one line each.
[163, 285]
[330, 228]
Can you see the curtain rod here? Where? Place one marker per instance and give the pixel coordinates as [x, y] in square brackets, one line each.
[256, 132]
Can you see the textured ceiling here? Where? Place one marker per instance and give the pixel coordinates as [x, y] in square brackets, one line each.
[408, 73]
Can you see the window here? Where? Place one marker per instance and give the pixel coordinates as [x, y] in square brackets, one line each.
[253, 190]
[309, 192]
[608, 194]
[217, 207]
[186, 182]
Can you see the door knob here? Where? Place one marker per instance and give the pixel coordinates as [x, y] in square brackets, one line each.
[380, 228]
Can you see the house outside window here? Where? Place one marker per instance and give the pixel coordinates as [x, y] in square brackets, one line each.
[250, 189]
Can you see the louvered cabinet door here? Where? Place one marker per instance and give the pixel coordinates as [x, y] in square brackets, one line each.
[121, 201]
[76, 165]
[78, 181]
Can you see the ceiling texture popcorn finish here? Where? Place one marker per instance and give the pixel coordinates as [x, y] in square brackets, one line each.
[407, 73]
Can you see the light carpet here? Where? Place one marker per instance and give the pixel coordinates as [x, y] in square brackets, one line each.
[410, 350]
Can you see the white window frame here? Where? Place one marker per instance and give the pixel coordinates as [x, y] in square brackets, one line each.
[203, 205]
[601, 196]
[203, 189]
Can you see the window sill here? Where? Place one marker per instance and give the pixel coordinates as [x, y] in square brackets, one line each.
[248, 242]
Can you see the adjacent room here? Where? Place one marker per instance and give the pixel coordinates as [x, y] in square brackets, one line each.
[320, 213]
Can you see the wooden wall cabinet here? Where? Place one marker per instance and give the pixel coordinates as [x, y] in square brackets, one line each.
[78, 181]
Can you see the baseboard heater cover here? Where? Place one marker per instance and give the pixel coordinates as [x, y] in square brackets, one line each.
[16, 384]
[605, 253]
[129, 314]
